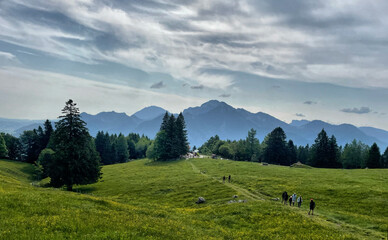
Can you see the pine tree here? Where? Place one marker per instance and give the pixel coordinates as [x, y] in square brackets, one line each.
[172, 149]
[320, 150]
[333, 154]
[3, 148]
[165, 120]
[181, 135]
[252, 145]
[48, 130]
[76, 160]
[384, 159]
[292, 153]
[275, 147]
[374, 157]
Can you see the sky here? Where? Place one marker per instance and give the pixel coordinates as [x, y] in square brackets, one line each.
[296, 59]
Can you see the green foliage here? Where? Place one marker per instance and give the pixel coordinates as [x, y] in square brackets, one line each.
[122, 154]
[76, 160]
[324, 152]
[292, 152]
[171, 141]
[355, 155]
[373, 160]
[303, 154]
[45, 162]
[30, 146]
[384, 159]
[3, 148]
[276, 150]
[13, 146]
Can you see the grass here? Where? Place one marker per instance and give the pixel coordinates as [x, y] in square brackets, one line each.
[147, 200]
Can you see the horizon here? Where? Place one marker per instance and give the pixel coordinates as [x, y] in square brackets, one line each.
[129, 115]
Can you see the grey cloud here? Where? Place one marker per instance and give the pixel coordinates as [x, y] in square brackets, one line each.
[361, 110]
[199, 87]
[299, 115]
[225, 95]
[310, 102]
[158, 85]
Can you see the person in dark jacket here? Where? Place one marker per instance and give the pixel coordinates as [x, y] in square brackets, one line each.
[290, 200]
[284, 197]
[229, 178]
[223, 179]
[312, 206]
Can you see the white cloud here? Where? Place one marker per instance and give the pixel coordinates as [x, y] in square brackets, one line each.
[37, 95]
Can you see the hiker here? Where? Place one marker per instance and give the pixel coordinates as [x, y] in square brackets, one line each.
[293, 199]
[229, 178]
[290, 200]
[284, 197]
[223, 179]
[312, 206]
[299, 201]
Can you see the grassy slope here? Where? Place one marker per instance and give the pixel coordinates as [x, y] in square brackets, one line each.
[156, 200]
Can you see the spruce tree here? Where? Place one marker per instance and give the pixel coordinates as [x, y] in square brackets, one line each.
[333, 154]
[275, 150]
[181, 135]
[384, 159]
[252, 146]
[373, 160]
[292, 152]
[3, 148]
[76, 160]
[165, 120]
[320, 150]
[171, 148]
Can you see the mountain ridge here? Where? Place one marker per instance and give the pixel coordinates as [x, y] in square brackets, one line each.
[217, 117]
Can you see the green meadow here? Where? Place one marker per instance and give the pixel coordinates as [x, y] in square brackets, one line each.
[156, 200]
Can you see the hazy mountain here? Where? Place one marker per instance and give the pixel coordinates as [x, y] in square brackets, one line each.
[111, 122]
[211, 118]
[149, 113]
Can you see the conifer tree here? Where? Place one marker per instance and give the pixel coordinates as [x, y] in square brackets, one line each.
[292, 153]
[275, 147]
[181, 135]
[384, 159]
[373, 160]
[320, 150]
[76, 160]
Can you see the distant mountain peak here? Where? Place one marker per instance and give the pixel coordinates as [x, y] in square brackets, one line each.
[149, 113]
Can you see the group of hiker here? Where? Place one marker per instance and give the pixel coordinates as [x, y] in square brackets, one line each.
[224, 178]
[294, 198]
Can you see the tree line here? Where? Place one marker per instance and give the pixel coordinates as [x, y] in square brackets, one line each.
[324, 152]
[70, 156]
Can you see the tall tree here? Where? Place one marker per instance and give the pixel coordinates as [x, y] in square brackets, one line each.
[333, 154]
[374, 157]
[320, 150]
[103, 146]
[48, 130]
[30, 143]
[76, 160]
[181, 135]
[252, 145]
[292, 152]
[165, 120]
[384, 159]
[3, 148]
[354, 155]
[122, 153]
[275, 147]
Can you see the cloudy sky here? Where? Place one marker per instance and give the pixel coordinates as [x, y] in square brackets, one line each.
[296, 59]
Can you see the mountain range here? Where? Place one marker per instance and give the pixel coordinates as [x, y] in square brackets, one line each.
[211, 118]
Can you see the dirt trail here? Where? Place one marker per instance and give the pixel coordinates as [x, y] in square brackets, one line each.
[240, 190]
